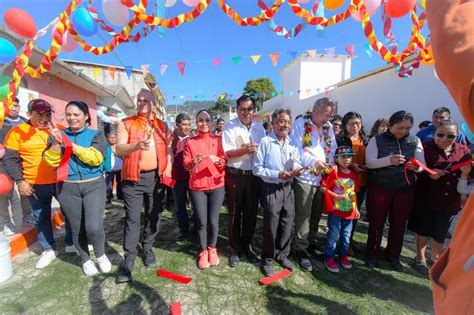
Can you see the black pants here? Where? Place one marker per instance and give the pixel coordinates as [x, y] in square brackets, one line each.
[83, 204]
[278, 203]
[109, 181]
[147, 192]
[243, 192]
[180, 194]
[207, 205]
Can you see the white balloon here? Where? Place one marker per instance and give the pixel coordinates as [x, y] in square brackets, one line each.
[191, 3]
[115, 12]
[170, 3]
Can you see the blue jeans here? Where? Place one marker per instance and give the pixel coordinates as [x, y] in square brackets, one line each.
[180, 193]
[337, 227]
[41, 209]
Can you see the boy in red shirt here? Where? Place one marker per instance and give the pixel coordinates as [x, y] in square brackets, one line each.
[340, 204]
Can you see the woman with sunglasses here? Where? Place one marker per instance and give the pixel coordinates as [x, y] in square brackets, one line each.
[205, 160]
[391, 188]
[437, 199]
[82, 194]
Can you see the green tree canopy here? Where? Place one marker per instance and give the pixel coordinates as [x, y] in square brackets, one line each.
[222, 105]
[260, 90]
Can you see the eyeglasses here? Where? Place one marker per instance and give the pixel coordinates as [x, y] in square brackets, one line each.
[143, 100]
[442, 135]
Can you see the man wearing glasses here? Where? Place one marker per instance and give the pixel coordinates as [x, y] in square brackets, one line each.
[142, 141]
[240, 140]
[314, 136]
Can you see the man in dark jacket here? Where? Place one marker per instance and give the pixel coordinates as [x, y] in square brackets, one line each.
[12, 198]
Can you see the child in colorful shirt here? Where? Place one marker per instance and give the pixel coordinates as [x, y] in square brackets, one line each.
[340, 204]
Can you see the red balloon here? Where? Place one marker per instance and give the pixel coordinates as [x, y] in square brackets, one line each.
[6, 184]
[398, 8]
[20, 22]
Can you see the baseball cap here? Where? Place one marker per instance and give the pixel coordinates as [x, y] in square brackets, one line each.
[344, 151]
[39, 106]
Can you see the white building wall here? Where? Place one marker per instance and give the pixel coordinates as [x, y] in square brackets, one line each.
[382, 94]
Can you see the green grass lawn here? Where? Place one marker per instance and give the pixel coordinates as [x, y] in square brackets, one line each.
[61, 288]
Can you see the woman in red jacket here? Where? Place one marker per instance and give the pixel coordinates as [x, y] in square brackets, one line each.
[205, 160]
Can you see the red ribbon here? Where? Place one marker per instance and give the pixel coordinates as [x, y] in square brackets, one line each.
[459, 165]
[267, 280]
[417, 164]
[62, 172]
[168, 181]
[175, 308]
[173, 276]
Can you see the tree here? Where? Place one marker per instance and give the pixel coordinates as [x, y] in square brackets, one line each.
[260, 90]
[222, 105]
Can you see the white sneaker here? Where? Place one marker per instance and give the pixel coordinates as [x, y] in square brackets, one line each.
[104, 264]
[89, 268]
[9, 229]
[70, 249]
[46, 258]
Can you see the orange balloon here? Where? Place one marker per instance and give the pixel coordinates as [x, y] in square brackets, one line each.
[6, 184]
[399, 8]
[333, 4]
[20, 22]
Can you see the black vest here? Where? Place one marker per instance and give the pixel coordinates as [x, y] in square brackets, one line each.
[393, 177]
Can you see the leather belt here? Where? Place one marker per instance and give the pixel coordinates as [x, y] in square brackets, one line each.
[279, 185]
[237, 171]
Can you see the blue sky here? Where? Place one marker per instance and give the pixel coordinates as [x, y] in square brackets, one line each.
[214, 35]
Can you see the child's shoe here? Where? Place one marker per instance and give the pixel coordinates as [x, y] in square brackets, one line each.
[331, 265]
[203, 259]
[345, 262]
[212, 256]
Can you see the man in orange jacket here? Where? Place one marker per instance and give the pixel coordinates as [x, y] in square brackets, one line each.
[143, 142]
[452, 34]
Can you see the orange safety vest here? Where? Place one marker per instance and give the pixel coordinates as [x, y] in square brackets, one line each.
[135, 126]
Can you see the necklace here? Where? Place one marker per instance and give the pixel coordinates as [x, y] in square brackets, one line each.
[308, 130]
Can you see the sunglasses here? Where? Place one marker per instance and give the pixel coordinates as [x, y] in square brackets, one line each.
[442, 135]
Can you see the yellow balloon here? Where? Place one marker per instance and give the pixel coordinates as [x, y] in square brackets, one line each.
[333, 4]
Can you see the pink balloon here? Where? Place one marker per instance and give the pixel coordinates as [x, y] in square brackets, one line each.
[117, 13]
[371, 5]
[69, 44]
[191, 3]
[2, 151]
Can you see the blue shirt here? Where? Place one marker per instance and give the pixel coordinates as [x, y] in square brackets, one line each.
[272, 157]
[426, 135]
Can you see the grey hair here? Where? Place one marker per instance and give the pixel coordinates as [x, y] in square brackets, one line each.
[147, 94]
[448, 122]
[279, 111]
[325, 101]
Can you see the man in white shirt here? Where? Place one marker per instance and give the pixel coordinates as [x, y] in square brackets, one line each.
[313, 135]
[240, 140]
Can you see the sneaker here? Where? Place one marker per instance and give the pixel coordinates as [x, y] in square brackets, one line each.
[203, 260]
[212, 256]
[234, 261]
[422, 267]
[46, 258]
[125, 271]
[267, 270]
[89, 268]
[397, 266]
[9, 229]
[70, 249]
[303, 259]
[287, 264]
[149, 259]
[104, 264]
[331, 265]
[345, 262]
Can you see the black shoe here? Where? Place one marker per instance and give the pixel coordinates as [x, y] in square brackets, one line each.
[304, 261]
[267, 270]
[250, 256]
[234, 261]
[397, 265]
[371, 263]
[182, 236]
[315, 250]
[422, 267]
[149, 259]
[125, 272]
[288, 264]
